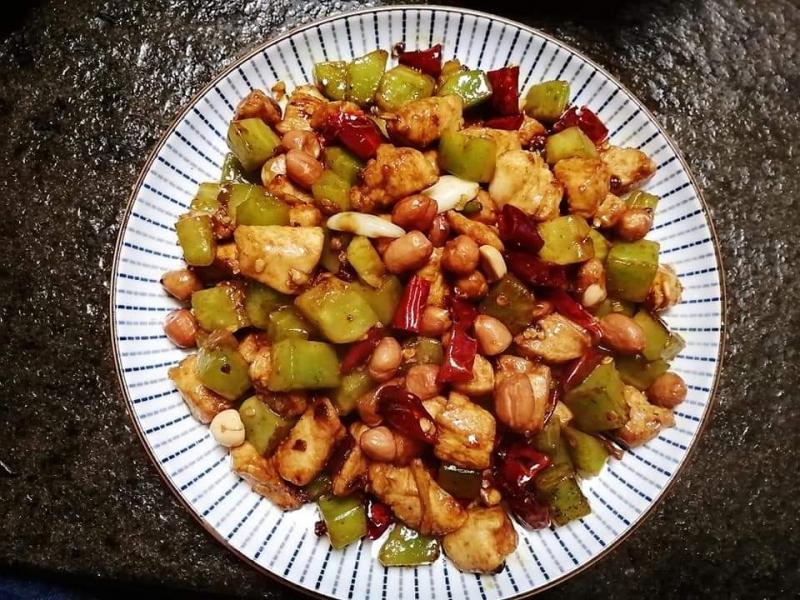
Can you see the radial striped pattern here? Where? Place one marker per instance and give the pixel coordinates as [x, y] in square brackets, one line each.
[198, 470]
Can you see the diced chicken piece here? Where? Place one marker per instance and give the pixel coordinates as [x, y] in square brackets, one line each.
[260, 370]
[482, 382]
[422, 122]
[554, 339]
[287, 404]
[432, 154]
[305, 215]
[483, 542]
[392, 175]
[645, 420]
[586, 182]
[465, 431]
[504, 140]
[523, 179]
[303, 102]
[262, 476]
[415, 498]
[258, 104]
[508, 364]
[279, 256]
[480, 232]
[488, 212]
[274, 178]
[666, 290]
[432, 271]
[353, 473]
[530, 130]
[629, 168]
[325, 112]
[202, 402]
[440, 512]
[303, 454]
[251, 344]
[227, 259]
[609, 212]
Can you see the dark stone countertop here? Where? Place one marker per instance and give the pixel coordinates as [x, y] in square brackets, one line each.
[87, 87]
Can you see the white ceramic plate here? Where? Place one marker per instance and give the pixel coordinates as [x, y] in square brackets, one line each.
[198, 471]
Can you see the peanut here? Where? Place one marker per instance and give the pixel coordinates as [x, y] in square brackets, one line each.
[385, 359]
[461, 255]
[667, 391]
[471, 287]
[181, 284]
[493, 337]
[517, 406]
[227, 428]
[634, 224]
[435, 321]
[421, 381]
[303, 169]
[299, 139]
[415, 212]
[622, 333]
[408, 253]
[180, 327]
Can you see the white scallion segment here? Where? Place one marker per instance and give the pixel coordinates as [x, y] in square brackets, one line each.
[369, 226]
[452, 192]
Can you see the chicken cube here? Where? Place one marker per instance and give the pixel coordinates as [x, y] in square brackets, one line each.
[303, 103]
[609, 212]
[202, 402]
[465, 431]
[415, 498]
[422, 122]
[586, 182]
[554, 339]
[392, 175]
[432, 271]
[251, 344]
[279, 256]
[262, 476]
[524, 180]
[629, 167]
[258, 105]
[665, 291]
[482, 382]
[645, 420]
[483, 542]
[353, 472]
[530, 130]
[260, 370]
[303, 454]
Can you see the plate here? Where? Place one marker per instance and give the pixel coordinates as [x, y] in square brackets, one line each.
[197, 469]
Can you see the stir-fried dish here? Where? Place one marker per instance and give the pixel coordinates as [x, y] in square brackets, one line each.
[420, 299]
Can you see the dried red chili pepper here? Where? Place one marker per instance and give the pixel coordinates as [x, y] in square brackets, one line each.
[359, 352]
[505, 90]
[404, 411]
[518, 229]
[459, 357]
[379, 517]
[579, 369]
[509, 123]
[357, 132]
[535, 271]
[428, 61]
[515, 466]
[586, 120]
[462, 312]
[571, 309]
[408, 314]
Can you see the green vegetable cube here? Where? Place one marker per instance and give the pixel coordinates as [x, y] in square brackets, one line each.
[342, 162]
[253, 142]
[353, 386]
[547, 100]
[639, 372]
[402, 85]
[331, 193]
[459, 482]
[511, 302]
[472, 87]
[299, 364]
[286, 322]
[558, 487]
[220, 307]
[407, 548]
[597, 404]
[263, 428]
[384, 299]
[345, 518]
[631, 268]
[364, 75]
[196, 237]
[656, 334]
[588, 453]
[331, 78]
[570, 143]
[206, 198]
[223, 370]
[337, 309]
[366, 261]
[467, 157]
[260, 300]
[567, 240]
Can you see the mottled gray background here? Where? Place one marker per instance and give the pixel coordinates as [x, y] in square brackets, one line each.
[87, 87]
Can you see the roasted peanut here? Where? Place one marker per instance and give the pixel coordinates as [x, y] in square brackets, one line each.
[667, 391]
[299, 139]
[493, 337]
[435, 321]
[378, 444]
[181, 284]
[385, 359]
[461, 255]
[520, 402]
[303, 169]
[408, 253]
[492, 263]
[227, 428]
[421, 381]
[180, 327]
[439, 231]
[415, 212]
[634, 224]
[622, 333]
[471, 287]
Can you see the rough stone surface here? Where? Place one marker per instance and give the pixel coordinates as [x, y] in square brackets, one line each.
[87, 87]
